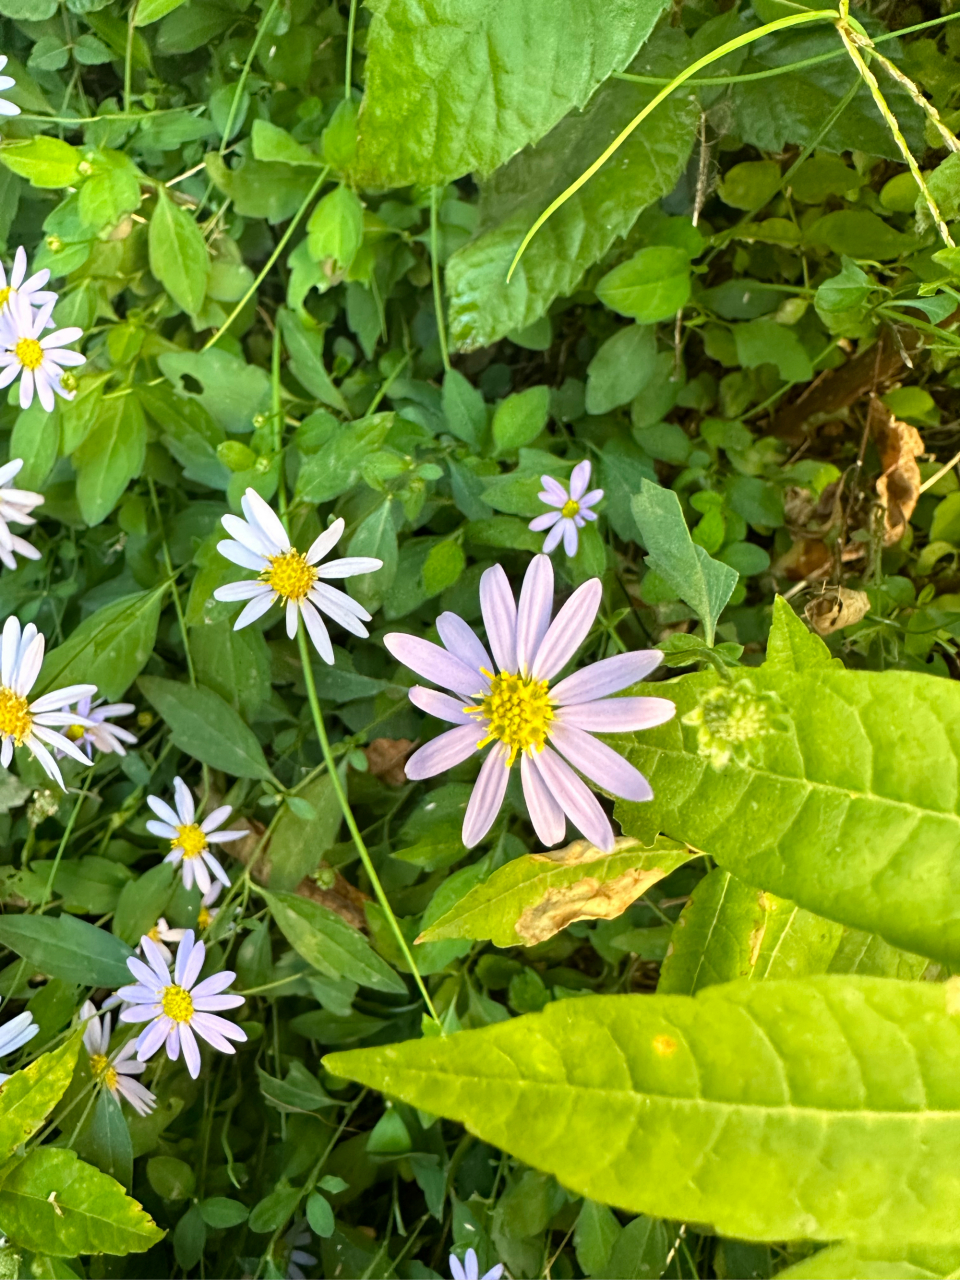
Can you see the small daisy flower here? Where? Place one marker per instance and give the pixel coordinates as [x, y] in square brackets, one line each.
[178, 1011]
[30, 291]
[572, 510]
[93, 729]
[24, 723]
[114, 1071]
[7, 82]
[469, 1269]
[550, 728]
[189, 840]
[15, 1034]
[286, 574]
[15, 508]
[161, 933]
[298, 1235]
[24, 352]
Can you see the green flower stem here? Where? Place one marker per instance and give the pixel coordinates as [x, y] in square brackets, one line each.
[351, 821]
[348, 68]
[262, 25]
[268, 265]
[435, 274]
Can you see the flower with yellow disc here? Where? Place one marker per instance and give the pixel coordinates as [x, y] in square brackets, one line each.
[190, 840]
[39, 362]
[113, 1071]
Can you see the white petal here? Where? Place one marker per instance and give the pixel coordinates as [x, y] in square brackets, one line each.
[262, 516]
[325, 542]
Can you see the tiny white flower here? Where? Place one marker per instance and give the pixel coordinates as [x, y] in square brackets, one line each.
[178, 1011]
[114, 1071]
[161, 933]
[24, 352]
[93, 730]
[30, 724]
[189, 840]
[261, 544]
[15, 508]
[571, 509]
[15, 1034]
[7, 82]
[469, 1269]
[30, 291]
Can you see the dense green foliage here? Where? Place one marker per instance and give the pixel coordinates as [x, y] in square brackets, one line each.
[728, 1046]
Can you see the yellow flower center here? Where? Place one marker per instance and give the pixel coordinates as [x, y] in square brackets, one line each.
[204, 918]
[102, 1070]
[177, 1004]
[15, 717]
[191, 840]
[569, 509]
[75, 732]
[517, 711]
[5, 295]
[154, 933]
[290, 575]
[29, 352]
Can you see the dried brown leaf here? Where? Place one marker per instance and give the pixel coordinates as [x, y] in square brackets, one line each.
[837, 608]
[588, 899]
[899, 445]
[386, 758]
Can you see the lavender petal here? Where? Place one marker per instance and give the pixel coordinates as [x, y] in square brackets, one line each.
[534, 609]
[444, 752]
[568, 631]
[606, 767]
[440, 705]
[461, 640]
[499, 611]
[579, 479]
[617, 715]
[553, 538]
[609, 675]
[546, 521]
[576, 799]
[433, 663]
[545, 814]
[487, 795]
[571, 537]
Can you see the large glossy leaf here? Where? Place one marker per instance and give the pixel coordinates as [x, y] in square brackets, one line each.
[857, 1262]
[178, 253]
[110, 456]
[731, 930]
[463, 84]
[53, 1203]
[108, 649]
[834, 805]
[67, 948]
[206, 727]
[483, 306]
[807, 1108]
[29, 1096]
[329, 943]
[535, 896]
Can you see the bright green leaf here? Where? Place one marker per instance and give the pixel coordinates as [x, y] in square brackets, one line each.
[652, 285]
[178, 254]
[520, 418]
[206, 727]
[108, 649]
[110, 456]
[68, 948]
[28, 1096]
[43, 161]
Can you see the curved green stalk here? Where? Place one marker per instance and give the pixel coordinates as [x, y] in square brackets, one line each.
[262, 25]
[781, 24]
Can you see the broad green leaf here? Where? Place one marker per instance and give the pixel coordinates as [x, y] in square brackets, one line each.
[142, 902]
[206, 727]
[641, 1249]
[29, 1096]
[469, 83]
[483, 307]
[792, 646]
[270, 142]
[259, 190]
[652, 285]
[622, 367]
[110, 456]
[763, 341]
[108, 649]
[335, 467]
[301, 1091]
[43, 161]
[299, 842]
[335, 230]
[704, 583]
[235, 664]
[752, 183]
[329, 944]
[36, 439]
[443, 566]
[152, 10]
[860, 1262]
[178, 254]
[306, 360]
[220, 1212]
[535, 896]
[463, 408]
[53, 1203]
[731, 930]
[520, 418]
[68, 948]
[594, 1236]
[104, 1141]
[232, 391]
[800, 1109]
[869, 955]
[837, 809]
[376, 536]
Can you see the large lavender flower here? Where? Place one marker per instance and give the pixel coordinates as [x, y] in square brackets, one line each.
[519, 711]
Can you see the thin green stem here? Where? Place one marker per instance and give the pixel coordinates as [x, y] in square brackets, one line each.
[173, 582]
[435, 274]
[294, 222]
[351, 821]
[262, 25]
[781, 24]
[276, 410]
[48, 890]
[128, 55]
[348, 68]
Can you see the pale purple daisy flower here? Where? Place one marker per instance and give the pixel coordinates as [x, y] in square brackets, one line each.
[572, 509]
[114, 1071]
[15, 1034]
[38, 359]
[93, 729]
[261, 543]
[15, 508]
[519, 711]
[189, 840]
[30, 724]
[30, 291]
[7, 82]
[469, 1269]
[177, 1010]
